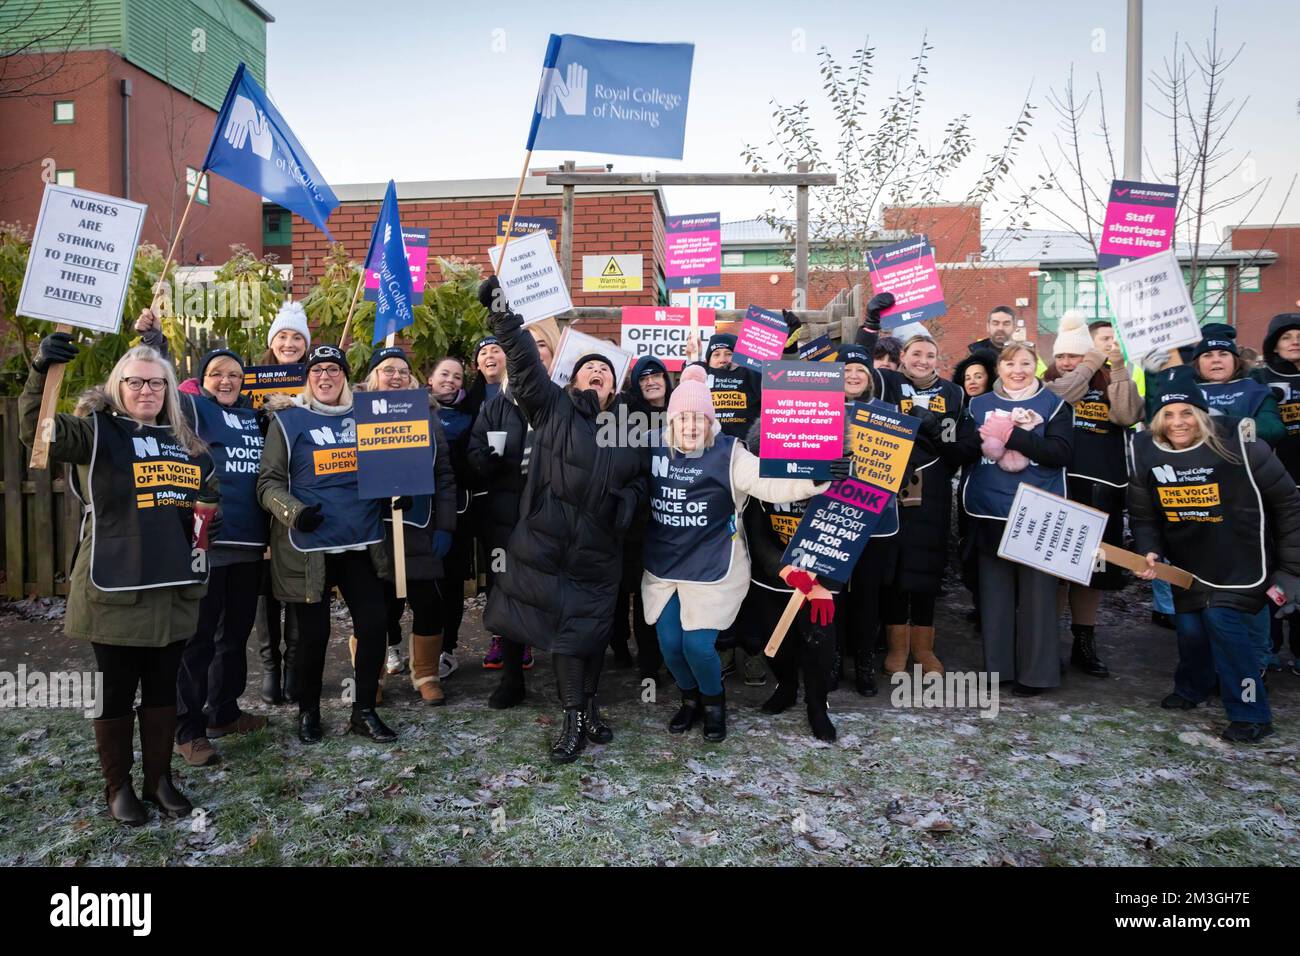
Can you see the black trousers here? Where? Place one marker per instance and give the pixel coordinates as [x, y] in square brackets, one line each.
[807, 647]
[426, 609]
[363, 592]
[857, 609]
[909, 607]
[648, 658]
[151, 669]
[214, 663]
[456, 567]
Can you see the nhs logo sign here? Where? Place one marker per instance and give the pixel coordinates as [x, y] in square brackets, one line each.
[659, 466]
[145, 447]
[379, 406]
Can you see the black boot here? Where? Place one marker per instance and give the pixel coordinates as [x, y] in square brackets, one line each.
[782, 699]
[290, 688]
[1084, 653]
[510, 691]
[785, 665]
[115, 741]
[572, 740]
[366, 722]
[687, 714]
[157, 734]
[309, 729]
[597, 731]
[864, 671]
[715, 716]
[268, 649]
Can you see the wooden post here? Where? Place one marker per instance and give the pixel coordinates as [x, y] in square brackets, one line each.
[13, 465]
[49, 406]
[566, 230]
[801, 243]
[42, 531]
[783, 625]
[514, 207]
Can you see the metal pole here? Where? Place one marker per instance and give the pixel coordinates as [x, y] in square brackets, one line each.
[801, 243]
[1133, 94]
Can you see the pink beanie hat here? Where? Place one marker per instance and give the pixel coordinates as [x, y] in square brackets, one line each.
[692, 395]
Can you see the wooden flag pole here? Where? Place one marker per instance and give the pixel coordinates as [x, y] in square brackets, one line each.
[356, 294]
[1137, 563]
[783, 625]
[171, 253]
[40, 459]
[514, 207]
[399, 531]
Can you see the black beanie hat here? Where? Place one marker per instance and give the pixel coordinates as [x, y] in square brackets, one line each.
[328, 353]
[384, 354]
[720, 340]
[486, 340]
[853, 354]
[1178, 384]
[216, 354]
[1216, 337]
[595, 357]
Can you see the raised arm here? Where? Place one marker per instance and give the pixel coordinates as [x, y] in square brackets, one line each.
[530, 383]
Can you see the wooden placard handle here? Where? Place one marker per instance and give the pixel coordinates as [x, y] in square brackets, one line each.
[783, 625]
[1137, 562]
[40, 459]
[399, 553]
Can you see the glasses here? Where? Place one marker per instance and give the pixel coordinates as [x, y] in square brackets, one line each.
[394, 372]
[331, 370]
[226, 376]
[135, 383]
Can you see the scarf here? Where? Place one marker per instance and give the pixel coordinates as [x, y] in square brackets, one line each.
[1017, 395]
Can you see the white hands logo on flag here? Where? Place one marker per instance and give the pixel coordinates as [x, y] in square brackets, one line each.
[249, 125]
[569, 92]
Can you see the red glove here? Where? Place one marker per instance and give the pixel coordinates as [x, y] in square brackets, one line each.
[802, 580]
[822, 611]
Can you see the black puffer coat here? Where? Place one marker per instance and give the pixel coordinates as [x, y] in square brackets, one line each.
[653, 419]
[421, 565]
[498, 479]
[565, 555]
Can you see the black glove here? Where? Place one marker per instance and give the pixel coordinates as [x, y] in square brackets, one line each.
[404, 503]
[56, 348]
[841, 468]
[309, 519]
[931, 427]
[879, 303]
[495, 452]
[214, 526]
[791, 320]
[491, 297]
[1290, 586]
[263, 420]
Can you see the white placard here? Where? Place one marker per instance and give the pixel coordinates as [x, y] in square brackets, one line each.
[574, 345]
[79, 268]
[707, 300]
[1052, 534]
[530, 278]
[1152, 310]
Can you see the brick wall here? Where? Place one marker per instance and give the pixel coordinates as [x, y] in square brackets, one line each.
[953, 229]
[1279, 283]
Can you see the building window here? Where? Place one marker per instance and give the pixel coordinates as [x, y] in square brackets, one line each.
[191, 178]
[733, 258]
[64, 111]
[66, 177]
[1249, 279]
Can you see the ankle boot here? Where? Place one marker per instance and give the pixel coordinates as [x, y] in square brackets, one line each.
[597, 731]
[820, 721]
[922, 644]
[1084, 653]
[687, 714]
[572, 740]
[115, 739]
[309, 729]
[425, 651]
[511, 691]
[864, 671]
[715, 717]
[782, 699]
[899, 638]
[157, 731]
[366, 722]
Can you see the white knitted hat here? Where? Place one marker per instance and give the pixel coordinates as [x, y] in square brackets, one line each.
[292, 316]
[1072, 337]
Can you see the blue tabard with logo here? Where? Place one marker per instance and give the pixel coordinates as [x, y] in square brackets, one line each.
[989, 490]
[692, 514]
[323, 470]
[1240, 398]
[235, 443]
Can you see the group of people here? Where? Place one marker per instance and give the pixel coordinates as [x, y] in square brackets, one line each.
[207, 519]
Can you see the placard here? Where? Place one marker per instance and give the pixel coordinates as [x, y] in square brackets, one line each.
[417, 256]
[611, 273]
[802, 418]
[662, 332]
[530, 278]
[693, 250]
[762, 339]
[79, 267]
[907, 270]
[820, 349]
[1139, 222]
[705, 300]
[263, 380]
[574, 345]
[1149, 302]
[835, 529]
[524, 225]
[1052, 534]
[881, 440]
[394, 447]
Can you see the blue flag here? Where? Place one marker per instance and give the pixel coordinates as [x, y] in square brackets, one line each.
[610, 96]
[253, 146]
[387, 256]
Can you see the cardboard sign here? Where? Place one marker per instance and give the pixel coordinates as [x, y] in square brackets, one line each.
[835, 528]
[881, 439]
[394, 447]
[706, 300]
[574, 345]
[693, 253]
[530, 278]
[1150, 304]
[611, 273]
[907, 270]
[79, 267]
[524, 225]
[662, 332]
[263, 380]
[803, 419]
[762, 339]
[417, 255]
[820, 349]
[1052, 534]
[1139, 222]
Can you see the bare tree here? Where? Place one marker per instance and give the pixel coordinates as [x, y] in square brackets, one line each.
[34, 58]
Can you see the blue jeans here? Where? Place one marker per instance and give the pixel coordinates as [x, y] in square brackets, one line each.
[1226, 642]
[690, 655]
[1162, 597]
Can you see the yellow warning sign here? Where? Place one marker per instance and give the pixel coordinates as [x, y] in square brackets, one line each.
[611, 273]
[612, 269]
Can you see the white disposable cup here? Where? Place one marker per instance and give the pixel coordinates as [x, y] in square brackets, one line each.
[498, 442]
[921, 401]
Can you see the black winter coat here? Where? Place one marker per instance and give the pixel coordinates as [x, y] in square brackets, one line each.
[498, 479]
[421, 565]
[456, 419]
[565, 555]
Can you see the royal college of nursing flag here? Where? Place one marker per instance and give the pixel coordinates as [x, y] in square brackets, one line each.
[611, 96]
[387, 256]
[253, 146]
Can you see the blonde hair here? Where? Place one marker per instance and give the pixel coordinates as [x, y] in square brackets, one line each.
[670, 434]
[305, 397]
[1209, 434]
[919, 337]
[171, 411]
[371, 383]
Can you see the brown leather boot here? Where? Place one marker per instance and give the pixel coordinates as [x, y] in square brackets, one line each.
[157, 730]
[898, 637]
[923, 650]
[115, 740]
[425, 651]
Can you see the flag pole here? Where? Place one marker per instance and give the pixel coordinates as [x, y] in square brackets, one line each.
[514, 207]
[356, 293]
[176, 241]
